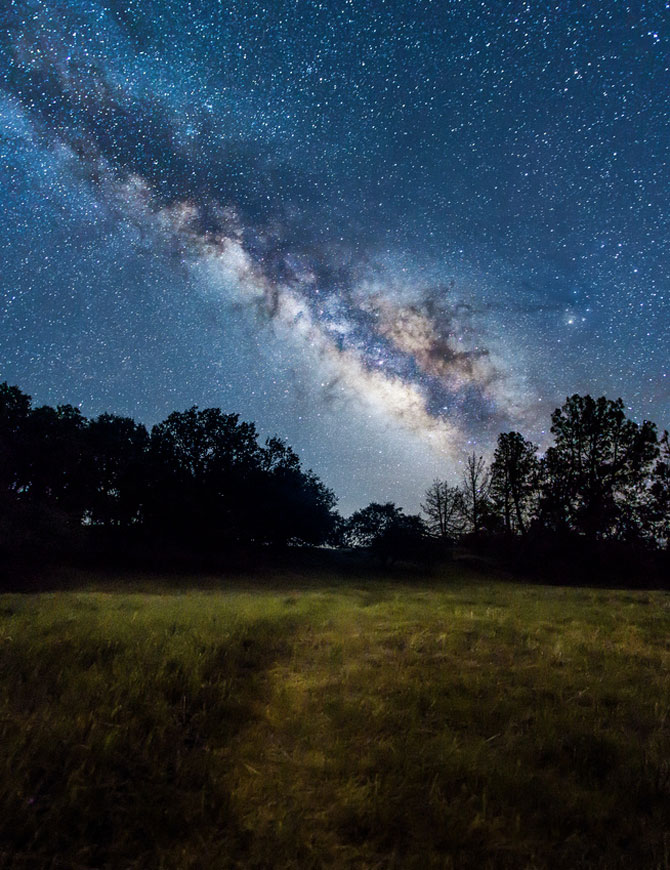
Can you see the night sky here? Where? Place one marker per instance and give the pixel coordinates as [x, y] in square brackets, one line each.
[385, 231]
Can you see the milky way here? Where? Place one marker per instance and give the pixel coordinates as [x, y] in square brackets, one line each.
[384, 231]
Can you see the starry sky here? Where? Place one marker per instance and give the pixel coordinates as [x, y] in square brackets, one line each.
[385, 231]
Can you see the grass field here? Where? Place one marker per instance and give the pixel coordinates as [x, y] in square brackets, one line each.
[458, 723]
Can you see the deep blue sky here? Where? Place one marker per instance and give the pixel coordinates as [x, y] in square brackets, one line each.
[383, 230]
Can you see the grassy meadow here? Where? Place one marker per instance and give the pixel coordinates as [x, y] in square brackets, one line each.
[460, 722]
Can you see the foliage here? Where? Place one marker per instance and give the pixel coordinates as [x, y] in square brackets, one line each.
[515, 473]
[205, 466]
[367, 524]
[200, 476]
[597, 470]
[387, 532]
[402, 539]
[295, 505]
[603, 479]
[117, 449]
[657, 513]
[14, 413]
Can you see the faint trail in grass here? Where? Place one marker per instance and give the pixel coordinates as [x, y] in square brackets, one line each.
[465, 736]
[357, 726]
[118, 726]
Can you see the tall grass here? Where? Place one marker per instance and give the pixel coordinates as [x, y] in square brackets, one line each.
[463, 724]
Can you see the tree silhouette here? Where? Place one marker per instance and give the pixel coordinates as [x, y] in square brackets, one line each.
[59, 463]
[403, 538]
[204, 465]
[364, 526]
[201, 479]
[598, 468]
[211, 480]
[475, 488]
[14, 450]
[515, 472]
[658, 504]
[117, 448]
[444, 508]
[293, 504]
[386, 531]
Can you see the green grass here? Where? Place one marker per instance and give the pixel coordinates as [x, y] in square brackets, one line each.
[459, 724]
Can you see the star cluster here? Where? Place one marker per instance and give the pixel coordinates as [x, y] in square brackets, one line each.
[384, 231]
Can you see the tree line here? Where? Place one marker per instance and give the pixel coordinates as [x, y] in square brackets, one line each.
[204, 478]
[199, 476]
[604, 478]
